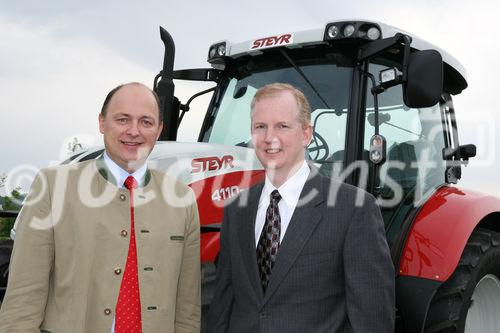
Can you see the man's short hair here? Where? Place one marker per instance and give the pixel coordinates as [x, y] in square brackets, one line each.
[110, 95]
[274, 89]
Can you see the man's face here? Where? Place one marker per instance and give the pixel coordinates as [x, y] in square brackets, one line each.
[131, 126]
[277, 134]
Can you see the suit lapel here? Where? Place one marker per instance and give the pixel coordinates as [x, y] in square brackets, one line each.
[303, 222]
[246, 233]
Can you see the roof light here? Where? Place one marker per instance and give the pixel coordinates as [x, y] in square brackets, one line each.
[221, 50]
[348, 30]
[390, 74]
[333, 31]
[352, 31]
[216, 53]
[373, 33]
[212, 51]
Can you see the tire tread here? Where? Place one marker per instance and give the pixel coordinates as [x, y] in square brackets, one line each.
[446, 312]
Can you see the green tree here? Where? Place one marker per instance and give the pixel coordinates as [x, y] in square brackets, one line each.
[12, 203]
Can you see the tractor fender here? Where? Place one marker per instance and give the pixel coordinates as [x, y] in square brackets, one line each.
[440, 232]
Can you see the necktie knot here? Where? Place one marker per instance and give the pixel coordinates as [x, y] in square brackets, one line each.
[275, 196]
[130, 183]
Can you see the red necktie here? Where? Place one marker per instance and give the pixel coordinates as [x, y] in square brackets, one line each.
[128, 307]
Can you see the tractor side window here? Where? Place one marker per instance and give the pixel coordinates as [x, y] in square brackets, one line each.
[415, 139]
[233, 123]
[328, 142]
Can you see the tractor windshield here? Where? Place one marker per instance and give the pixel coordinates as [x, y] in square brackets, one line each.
[325, 84]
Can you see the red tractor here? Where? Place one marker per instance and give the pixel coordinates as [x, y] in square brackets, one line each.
[384, 120]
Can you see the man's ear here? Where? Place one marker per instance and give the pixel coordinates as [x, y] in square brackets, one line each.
[101, 123]
[307, 135]
[160, 128]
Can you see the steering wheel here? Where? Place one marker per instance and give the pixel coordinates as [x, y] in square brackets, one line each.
[318, 147]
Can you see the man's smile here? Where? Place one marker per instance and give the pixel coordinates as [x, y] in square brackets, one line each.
[131, 143]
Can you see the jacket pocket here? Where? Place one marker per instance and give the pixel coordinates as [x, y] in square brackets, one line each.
[313, 259]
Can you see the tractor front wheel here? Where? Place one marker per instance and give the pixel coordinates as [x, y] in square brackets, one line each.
[5, 251]
[469, 301]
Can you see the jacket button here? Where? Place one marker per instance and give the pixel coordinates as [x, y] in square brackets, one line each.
[124, 233]
[123, 197]
[118, 271]
[107, 311]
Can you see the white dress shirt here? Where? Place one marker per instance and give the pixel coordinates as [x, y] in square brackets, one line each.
[290, 193]
[120, 176]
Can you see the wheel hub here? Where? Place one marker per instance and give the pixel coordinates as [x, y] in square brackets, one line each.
[483, 315]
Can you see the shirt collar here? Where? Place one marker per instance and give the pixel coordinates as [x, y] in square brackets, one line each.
[290, 190]
[120, 174]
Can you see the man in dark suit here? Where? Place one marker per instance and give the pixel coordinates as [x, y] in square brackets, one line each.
[304, 254]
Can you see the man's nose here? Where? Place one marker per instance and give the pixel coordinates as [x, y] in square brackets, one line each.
[133, 129]
[270, 136]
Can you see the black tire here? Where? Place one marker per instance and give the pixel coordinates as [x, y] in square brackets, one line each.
[5, 251]
[449, 307]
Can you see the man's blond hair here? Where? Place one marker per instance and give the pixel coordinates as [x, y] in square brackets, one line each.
[274, 89]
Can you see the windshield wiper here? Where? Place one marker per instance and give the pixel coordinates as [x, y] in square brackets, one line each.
[303, 75]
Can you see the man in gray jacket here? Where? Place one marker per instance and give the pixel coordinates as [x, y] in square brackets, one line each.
[107, 245]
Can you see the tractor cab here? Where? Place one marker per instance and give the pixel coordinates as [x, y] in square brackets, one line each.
[383, 120]
[381, 105]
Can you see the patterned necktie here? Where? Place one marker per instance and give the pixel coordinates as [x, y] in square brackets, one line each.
[269, 240]
[128, 307]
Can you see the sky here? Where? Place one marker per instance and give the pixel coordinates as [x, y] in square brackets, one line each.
[59, 59]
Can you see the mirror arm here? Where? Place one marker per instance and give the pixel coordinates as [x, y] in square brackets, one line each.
[373, 48]
[375, 90]
[185, 107]
[406, 56]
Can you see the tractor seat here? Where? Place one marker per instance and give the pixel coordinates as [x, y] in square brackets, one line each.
[411, 152]
[334, 164]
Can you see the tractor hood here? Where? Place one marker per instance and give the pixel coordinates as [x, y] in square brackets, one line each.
[191, 162]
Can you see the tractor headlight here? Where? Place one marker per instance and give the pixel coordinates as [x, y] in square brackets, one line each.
[389, 74]
[221, 50]
[216, 53]
[373, 33]
[212, 52]
[349, 30]
[333, 31]
[352, 30]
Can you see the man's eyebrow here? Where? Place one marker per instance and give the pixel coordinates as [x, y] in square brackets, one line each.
[121, 114]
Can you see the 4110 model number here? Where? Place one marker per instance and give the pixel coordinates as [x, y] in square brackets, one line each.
[225, 193]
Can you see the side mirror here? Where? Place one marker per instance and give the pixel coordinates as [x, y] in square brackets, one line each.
[462, 152]
[467, 151]
[424, 79]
